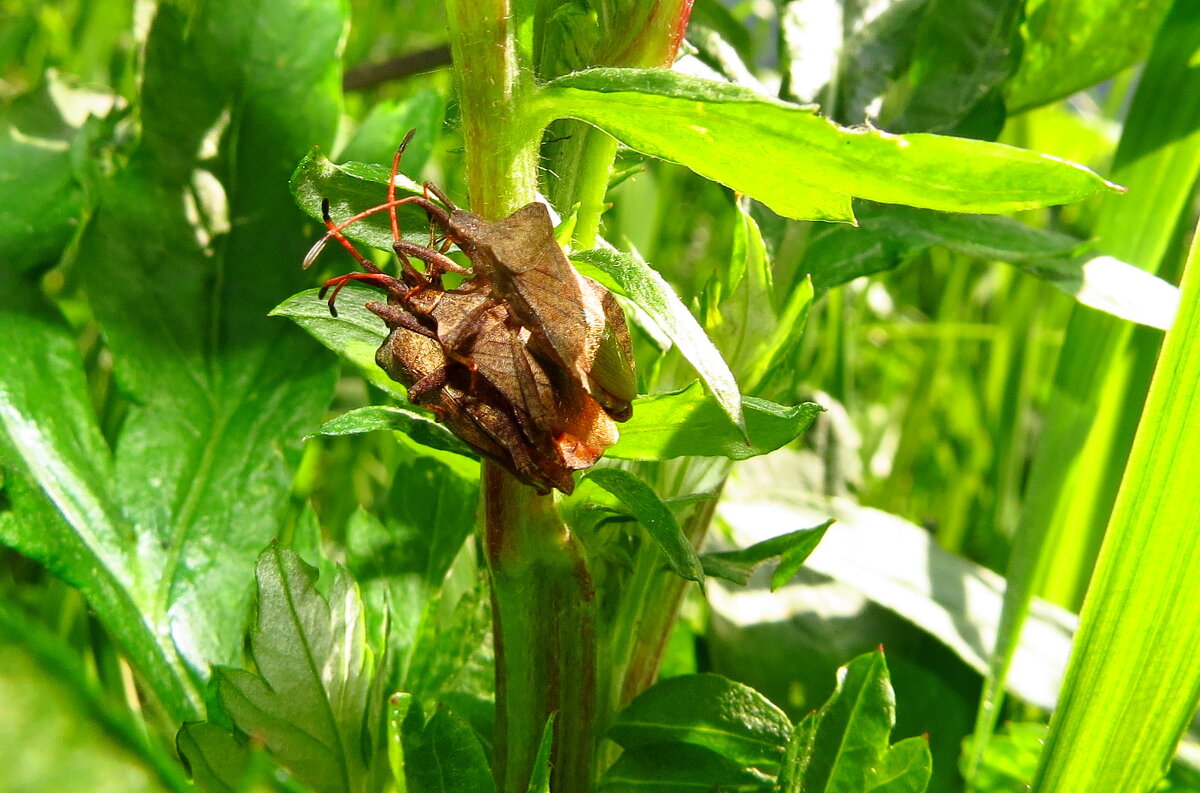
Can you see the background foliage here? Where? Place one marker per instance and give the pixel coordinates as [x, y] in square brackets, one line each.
[164, 519]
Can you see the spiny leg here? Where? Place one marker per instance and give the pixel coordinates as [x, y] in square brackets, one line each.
[395, 316]
[388, 283]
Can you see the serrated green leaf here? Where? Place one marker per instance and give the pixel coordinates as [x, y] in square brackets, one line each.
[791, 548]
[656, 297]
[844, 747]
[679, 768]
[799, 164]
[689, 422]
[308, 700]
[447, 758]
[418, 426]
[654, 516]
[709, 711]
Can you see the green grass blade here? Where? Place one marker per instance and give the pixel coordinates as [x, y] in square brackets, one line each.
[1133, 683]
[1096, 394]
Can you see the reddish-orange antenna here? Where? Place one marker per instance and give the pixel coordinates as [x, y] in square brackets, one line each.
[435, 211]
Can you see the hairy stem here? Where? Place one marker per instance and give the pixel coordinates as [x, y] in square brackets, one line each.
[543, 602]
[493, 83]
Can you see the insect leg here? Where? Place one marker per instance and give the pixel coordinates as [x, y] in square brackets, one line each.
[395, 316]
[391, 285]
[433, 258]
[391, 191]
[436, 212]
[427, 385]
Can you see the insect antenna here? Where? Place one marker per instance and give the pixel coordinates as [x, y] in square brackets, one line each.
[435, 211]
[363, 261]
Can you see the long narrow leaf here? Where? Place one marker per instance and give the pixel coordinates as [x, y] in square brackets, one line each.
[1098, 386]
[799, 164]
[1133, 684]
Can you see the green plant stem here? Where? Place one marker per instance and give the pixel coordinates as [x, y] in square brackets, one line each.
[543, 615]
[643, 35]
[650, 602]
[543, 601]
[493, 84]
[584, 165]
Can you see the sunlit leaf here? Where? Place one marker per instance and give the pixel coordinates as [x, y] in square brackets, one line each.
[897, 565]
[308, 700]
[1126, 701]
[689, 422]
[798, 163]
[654, 516]
[792, 549]
[708, 711]
[655, 296]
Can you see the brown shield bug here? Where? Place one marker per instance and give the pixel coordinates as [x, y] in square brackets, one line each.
[572, 320]
[463, 357]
